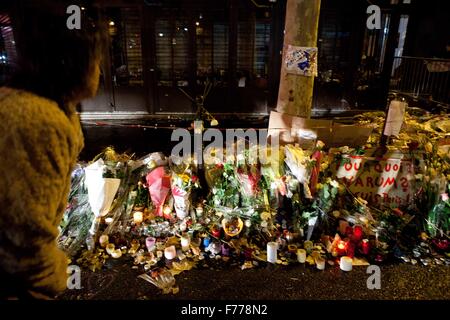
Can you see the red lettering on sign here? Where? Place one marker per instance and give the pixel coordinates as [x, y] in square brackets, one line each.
[387, 167]
[390, 181]
[395, 167]
[348, 166]
[369, 182]
[379, 181]
[378, 168]
[404, 183]
[359, 182]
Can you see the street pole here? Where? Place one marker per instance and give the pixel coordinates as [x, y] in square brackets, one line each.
[301, 28]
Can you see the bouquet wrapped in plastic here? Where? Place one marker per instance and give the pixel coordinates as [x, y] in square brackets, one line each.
[102, 184]
[158, 182]
[183, 180]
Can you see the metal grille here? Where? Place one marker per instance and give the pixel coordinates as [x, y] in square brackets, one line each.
[426, 78]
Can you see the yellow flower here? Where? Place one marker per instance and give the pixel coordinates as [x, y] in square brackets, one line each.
[428, 147]
[265, 215]
[185, 178]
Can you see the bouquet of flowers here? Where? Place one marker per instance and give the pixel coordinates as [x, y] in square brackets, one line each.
[300, 166]
[249, 176]
[102, 182]
[158, 182]
[183, 180]
[77, 218]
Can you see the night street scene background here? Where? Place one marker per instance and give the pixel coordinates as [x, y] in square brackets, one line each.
[352, 205]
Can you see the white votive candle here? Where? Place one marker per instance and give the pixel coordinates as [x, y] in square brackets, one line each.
[116, 254]
[320, 263]
[138, 217]
[185, 241]
[346, 263]
[272, 252]
[170, 253]
[301, 255]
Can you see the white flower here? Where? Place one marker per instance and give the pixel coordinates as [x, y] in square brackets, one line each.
[320, 144]
[334, 184]
[240, 157]
[248, 223]
[344, 149]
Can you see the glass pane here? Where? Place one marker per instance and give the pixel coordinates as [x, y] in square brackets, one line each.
[7, 48]
[220, 55]
[262, 41]
[163, 51]
[126, 46]
[180, 45]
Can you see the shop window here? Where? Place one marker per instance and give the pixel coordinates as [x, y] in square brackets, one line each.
[7, 48]
[126, 48]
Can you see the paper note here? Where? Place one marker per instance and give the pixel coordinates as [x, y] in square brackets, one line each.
[395, 117]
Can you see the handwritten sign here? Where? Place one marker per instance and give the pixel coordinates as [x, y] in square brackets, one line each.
[395, 117]
[380, 182]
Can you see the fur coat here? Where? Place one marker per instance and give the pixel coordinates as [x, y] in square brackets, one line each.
[39, 145]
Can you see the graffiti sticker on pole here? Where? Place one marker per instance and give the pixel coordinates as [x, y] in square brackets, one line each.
[301, 61]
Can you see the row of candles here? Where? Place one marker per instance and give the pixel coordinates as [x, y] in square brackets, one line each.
[346, 262]
[345, 249]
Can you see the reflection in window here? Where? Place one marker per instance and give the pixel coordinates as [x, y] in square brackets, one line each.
[262, 41]
[172, 50]
[7, 48]
[126, 48]
[220, 48]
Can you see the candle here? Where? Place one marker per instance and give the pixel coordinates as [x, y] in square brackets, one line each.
[116, 253]
[215, 232]
[346, 263]
[170, 253]
[357, 233]
[272, 252]
[341, 248]
[167, 212]
[150, 243]
[292, 248]
[138, 217]
[289, 237]
[199, 211]
[185, 241]
[110, 248]
[320, 263]
[301, 255]
[206, 242]
[109, 220]
[225, 250]
[350, 249]
[349, 231]
[103, 240]
[365, 246]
